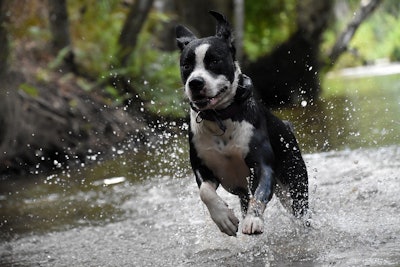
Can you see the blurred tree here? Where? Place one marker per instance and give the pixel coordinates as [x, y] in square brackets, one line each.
[364, 11]
[239, 28]
[3, 70]
[48, 121]
[113, 43]
[289, 74]
[131, 29]
[59, 27]
[3, 40]
[193, 14]
[179, 12]
[166, 35]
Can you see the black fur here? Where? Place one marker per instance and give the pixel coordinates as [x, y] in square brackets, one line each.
[273, 157]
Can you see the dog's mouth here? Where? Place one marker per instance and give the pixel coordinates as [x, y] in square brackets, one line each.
[209, 102]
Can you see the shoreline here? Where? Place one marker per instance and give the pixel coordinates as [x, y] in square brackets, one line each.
[379, 69]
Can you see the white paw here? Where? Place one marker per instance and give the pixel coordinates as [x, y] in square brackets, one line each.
[224, 218]
[252, 225]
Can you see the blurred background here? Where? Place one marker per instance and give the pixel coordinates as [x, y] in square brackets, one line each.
[91, 97]
[96, 73]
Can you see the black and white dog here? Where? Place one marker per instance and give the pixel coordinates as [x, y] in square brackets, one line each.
[234, 140]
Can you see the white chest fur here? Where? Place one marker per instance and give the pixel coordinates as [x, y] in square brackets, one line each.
[224, 155]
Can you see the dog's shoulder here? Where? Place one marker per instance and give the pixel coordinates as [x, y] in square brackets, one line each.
[254, 112]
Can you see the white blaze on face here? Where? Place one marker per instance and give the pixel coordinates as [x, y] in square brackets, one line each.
[213, 84]
[200, 53]
[199, 70]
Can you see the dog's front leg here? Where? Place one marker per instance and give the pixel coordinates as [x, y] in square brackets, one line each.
[223, 217]
[253, 222]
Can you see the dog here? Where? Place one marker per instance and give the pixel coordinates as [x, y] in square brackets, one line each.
[234, 140]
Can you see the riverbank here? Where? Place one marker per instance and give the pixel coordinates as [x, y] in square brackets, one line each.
[380, 69]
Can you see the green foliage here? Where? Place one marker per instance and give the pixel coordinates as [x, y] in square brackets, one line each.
[59, 59]
[27, 20]
[267, 25]
[392, 42]
[29, 89]
[156, 73]
[376, 38]
[95, 28]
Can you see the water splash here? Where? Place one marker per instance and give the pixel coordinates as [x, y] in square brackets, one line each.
[354, 203]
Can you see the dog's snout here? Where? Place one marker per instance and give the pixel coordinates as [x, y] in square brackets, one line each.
[197, 83]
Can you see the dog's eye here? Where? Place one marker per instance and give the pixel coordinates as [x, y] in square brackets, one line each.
[215, 62]
[186, 67]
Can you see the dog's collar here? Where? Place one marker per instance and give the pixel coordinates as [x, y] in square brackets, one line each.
[244, 91]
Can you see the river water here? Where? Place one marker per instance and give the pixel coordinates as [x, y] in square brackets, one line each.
[142, 207]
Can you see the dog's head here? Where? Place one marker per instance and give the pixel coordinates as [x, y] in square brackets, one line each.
[209, 70]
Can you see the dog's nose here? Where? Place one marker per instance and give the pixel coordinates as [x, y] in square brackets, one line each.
[196, 84]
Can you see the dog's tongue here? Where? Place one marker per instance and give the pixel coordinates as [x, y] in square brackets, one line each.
[205, 102]
[212, 101]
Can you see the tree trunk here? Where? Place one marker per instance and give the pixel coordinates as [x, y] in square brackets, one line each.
[166, 35]
[59, 28]
[282, 77]
[239, 28]
[59, 25]
[131, 29]
[4, 49]
[289, 74]
[364, 11]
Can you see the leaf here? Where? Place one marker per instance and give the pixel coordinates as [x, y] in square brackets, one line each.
[29, 89]
[60, 57]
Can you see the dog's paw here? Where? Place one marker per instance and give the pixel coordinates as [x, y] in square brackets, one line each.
[224, 218]
[252, 225]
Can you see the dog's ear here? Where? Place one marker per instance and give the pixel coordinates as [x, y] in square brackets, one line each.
[224, 29]
[183, 36]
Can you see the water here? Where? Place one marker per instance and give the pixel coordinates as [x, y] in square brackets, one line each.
[353, 113]
[138, 210]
